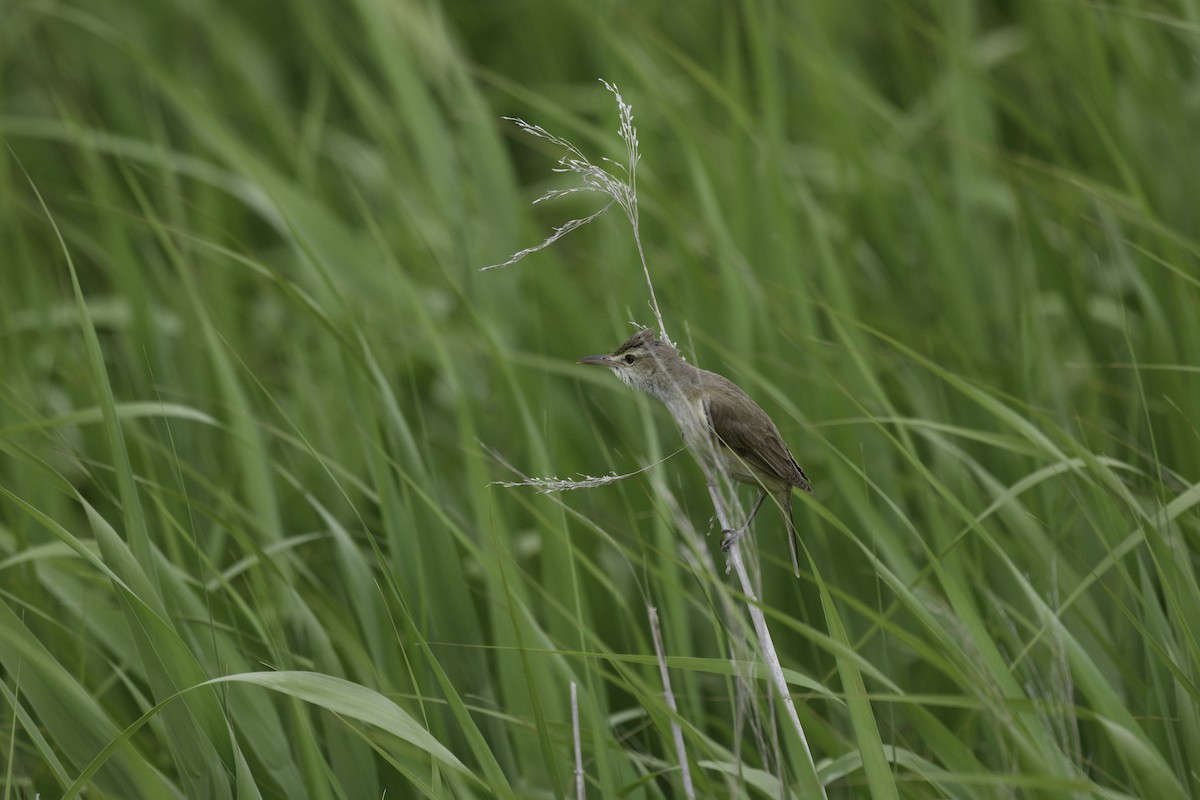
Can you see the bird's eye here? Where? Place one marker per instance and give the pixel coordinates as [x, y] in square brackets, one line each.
[630, 358]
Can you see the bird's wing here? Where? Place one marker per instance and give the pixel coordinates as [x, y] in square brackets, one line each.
[734, 418]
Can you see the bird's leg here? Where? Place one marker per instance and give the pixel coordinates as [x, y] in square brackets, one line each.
[731, 535]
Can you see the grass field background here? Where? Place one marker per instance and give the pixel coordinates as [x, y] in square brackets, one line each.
[255, 391]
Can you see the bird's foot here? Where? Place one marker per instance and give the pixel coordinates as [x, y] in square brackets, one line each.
[730, 537]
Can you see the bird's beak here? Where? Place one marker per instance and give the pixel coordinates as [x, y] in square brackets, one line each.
[600, 361]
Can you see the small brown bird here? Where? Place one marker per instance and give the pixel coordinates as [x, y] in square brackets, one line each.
[721, 425]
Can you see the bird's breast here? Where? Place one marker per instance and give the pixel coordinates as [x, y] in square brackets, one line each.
[692, 420]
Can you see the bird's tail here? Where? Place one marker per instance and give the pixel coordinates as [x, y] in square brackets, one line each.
[805, 483]
[793, 537]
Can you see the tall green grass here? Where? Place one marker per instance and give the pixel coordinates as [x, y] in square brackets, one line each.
[256, 392]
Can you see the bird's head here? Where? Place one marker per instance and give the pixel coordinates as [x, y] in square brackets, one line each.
[644, 362]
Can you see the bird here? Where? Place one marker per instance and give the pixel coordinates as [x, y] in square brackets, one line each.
[725, 430]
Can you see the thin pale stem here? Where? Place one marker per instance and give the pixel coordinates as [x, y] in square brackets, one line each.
[637, 237]
[580, 792]
[676, 730]
[766, 643]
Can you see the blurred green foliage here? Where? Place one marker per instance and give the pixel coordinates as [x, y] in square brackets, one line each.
[255, 390]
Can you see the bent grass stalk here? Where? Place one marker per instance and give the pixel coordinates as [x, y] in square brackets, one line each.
[623, 192]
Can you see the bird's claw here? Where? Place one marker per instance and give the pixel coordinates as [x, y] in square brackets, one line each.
[730, 536]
